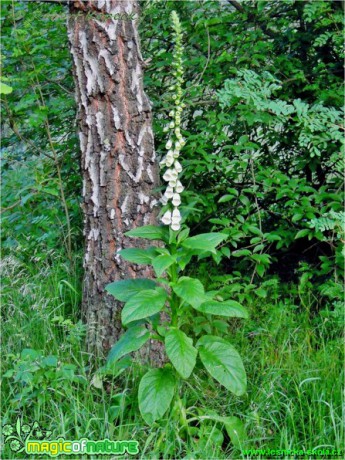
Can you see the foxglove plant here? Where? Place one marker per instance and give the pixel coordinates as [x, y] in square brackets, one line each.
[184, 300]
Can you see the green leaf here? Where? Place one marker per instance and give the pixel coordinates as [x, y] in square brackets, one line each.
[241, 253]
[254, 230]
[236, 431]
[149, 232]
[190, 290]
[138, 256]
[124, 290]
[296, 217]
[181, 352]
[156, 391]
[234, 427]
[133, 339]
[302, 233]
[145, 303]
[226, 198]
[223, 362]
[29, 353]
[5, 89]
[50, 361]
[205, 241]
[226, 251]
[161, 263]
[229, 308]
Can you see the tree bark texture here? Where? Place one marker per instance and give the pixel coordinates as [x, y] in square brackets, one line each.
[119, 167]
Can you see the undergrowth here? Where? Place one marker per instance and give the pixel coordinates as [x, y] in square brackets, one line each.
[292, 360]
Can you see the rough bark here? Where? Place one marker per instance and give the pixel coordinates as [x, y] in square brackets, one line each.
[118, 161]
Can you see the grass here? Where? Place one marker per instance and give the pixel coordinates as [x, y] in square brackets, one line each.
[293, 362]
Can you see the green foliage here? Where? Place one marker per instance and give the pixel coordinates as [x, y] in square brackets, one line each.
[36, 375]
[156, 391]
[133, 339]
[292, 355]
[223, 362]
[331, 221]
[263, 125]
[40, 174]
[181, 352]
[219, 357]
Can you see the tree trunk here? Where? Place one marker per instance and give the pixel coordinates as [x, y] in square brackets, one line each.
[120, 172]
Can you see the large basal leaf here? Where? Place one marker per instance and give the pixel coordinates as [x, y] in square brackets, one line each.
[181, 352]
[223, 362]
[138, 256]
[149, 232]
[234, 427]
[229, 308]
[161, 263]
[133, 339]
[205, 241]
[236, 431]
[156, 391]
[190, 290]
[124, 290]
[145, 303]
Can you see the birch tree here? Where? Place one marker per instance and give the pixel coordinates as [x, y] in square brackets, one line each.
[119, 168]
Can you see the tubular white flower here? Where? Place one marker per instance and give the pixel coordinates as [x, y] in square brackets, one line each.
[175, 227]
[169, 192]
[179, 187]
[169, 162]
[166, 219]
[177, 166]
[167, 176]
[170, 174]
[168, 144]
[176, 213]
[176, 199]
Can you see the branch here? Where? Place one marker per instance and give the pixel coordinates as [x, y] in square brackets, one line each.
[237, 5]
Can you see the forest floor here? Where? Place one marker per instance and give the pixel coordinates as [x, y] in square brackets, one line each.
[292, 357]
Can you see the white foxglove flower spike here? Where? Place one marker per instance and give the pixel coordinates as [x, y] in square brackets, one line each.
[175, 141]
